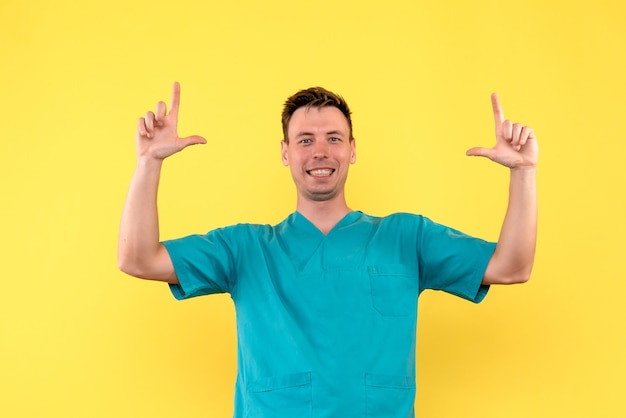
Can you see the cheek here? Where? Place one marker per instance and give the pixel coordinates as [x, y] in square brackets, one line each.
[296, 159]
[349, 157]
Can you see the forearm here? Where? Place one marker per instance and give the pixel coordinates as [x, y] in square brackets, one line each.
[139, 245]
[514, 256]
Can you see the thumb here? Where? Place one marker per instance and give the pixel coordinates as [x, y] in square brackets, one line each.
[481, 152]
[192, 140]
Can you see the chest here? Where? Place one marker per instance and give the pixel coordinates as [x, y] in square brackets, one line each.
[357, 275]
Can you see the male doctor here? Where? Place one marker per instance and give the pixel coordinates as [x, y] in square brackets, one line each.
[326, 300]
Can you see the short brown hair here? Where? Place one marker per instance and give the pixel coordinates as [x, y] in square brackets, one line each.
[313, 97]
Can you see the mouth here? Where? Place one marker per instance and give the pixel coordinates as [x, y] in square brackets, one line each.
[321, 172]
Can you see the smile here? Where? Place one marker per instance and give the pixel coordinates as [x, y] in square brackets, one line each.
[321, 172]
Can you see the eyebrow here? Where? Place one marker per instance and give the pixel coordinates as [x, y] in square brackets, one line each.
[327, 133]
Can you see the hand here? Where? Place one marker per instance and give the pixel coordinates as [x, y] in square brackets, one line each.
[157, 133]
[516, 145]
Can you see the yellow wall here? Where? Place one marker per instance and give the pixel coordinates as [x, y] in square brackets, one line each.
[81, 339]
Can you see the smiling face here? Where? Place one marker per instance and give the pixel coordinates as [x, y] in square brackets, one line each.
[319, 152]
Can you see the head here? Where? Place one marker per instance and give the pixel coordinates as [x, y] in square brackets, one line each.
[313, 97]
[318, 145]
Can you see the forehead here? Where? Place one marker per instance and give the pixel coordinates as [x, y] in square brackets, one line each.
[317, 120]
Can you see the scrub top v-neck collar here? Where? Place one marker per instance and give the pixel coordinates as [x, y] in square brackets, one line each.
[309, 248]
[302, 223]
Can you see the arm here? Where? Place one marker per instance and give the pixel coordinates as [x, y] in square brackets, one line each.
[516, 148]
[140, 253]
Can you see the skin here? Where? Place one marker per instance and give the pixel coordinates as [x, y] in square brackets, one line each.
[319, 153]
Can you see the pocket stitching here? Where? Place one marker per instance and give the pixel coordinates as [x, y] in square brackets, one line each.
[379, 272]
[273, 383]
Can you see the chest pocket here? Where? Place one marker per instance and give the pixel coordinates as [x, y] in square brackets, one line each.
[394, 290]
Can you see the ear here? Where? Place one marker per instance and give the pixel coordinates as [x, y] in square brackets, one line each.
[353, 151]
[283, 152]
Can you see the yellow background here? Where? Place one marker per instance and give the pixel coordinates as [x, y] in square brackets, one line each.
[81, 339]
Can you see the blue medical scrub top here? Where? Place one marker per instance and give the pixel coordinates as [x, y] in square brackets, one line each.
[326, 324]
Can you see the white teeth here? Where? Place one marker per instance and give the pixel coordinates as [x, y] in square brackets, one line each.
[322, 172]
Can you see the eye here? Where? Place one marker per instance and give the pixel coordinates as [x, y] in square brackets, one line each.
[305, 141]
[334, 139]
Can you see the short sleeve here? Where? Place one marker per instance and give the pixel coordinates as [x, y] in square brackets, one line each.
[203, 264]
[453, 261]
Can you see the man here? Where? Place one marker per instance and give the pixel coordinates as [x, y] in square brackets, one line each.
[326, 300]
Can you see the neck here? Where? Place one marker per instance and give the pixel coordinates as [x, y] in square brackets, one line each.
[324, 215]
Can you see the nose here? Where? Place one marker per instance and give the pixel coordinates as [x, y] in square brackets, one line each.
[320, 150]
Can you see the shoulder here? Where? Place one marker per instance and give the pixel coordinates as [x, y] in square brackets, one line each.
[398, 224]
[242, 231]
[397, 218]
[255, 231]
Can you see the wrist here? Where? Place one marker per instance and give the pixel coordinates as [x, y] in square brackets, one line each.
[145, 162]
[527, 169]
[523, 175]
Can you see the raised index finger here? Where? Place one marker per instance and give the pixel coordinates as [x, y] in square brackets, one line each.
[498, 114]
[175, 98]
